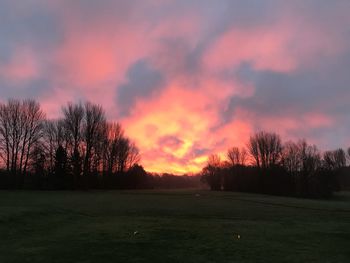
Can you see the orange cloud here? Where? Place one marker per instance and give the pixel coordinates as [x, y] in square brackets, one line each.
[198, 51]
[189, 117]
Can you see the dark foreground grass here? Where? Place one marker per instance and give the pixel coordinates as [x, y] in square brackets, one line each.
[176, 226]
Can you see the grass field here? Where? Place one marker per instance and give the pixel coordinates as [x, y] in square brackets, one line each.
[172, 226]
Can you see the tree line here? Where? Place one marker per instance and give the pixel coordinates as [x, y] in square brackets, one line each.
[266, 165]
[80, 150]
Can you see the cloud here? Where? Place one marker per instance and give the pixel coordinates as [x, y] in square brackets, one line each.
[299, 104]
[143, 82]
[186, 78]
[170, 142]
[21, 67]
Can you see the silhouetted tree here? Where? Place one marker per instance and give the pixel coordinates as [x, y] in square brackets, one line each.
[310, 163]
[310, 157]
[120, 153]
[94, 121]
[77, 167]
[73, 123]
[5, 135]
[38, 160]
[237, 156]
[265, 149]
[54, 136]
[20, 129]
[133, 157]
[291, 158]
[294, 169]
[137, 177]
[211, 173]
[61, 172]
[54, 154]
[33, 126]
[348, 155]
[113, 133]
[334, 160]
[37, 168]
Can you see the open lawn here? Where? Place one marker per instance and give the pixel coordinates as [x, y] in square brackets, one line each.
[171, 226]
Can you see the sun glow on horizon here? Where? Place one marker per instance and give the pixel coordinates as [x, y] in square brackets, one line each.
[186, 79]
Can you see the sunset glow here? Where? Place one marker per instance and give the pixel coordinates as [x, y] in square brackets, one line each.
[186, 78]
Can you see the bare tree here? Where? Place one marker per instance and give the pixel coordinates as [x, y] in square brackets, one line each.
[310, 158]
[334, 160]
[237, 156]
[214, 160]
[54, 136]
[266, 149]
[20, 129]
[120, 154]
[80, 143]
[73, 122]
[5, 130]
[291, 158]
[211, 173]
[113, 135]
[16, 129]
[38, 159]
[134, 156]
[99, 148]
[253, 149]
[123, 151]
[33, 127]
[92, 131]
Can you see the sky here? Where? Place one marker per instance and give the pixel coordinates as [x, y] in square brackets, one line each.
[186, 78]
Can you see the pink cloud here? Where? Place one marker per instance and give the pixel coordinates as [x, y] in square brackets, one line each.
[101, 42]
[265, 47]
[283, 47]
[21, 67]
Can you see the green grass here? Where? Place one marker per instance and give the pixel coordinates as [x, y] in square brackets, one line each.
[173, 226]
